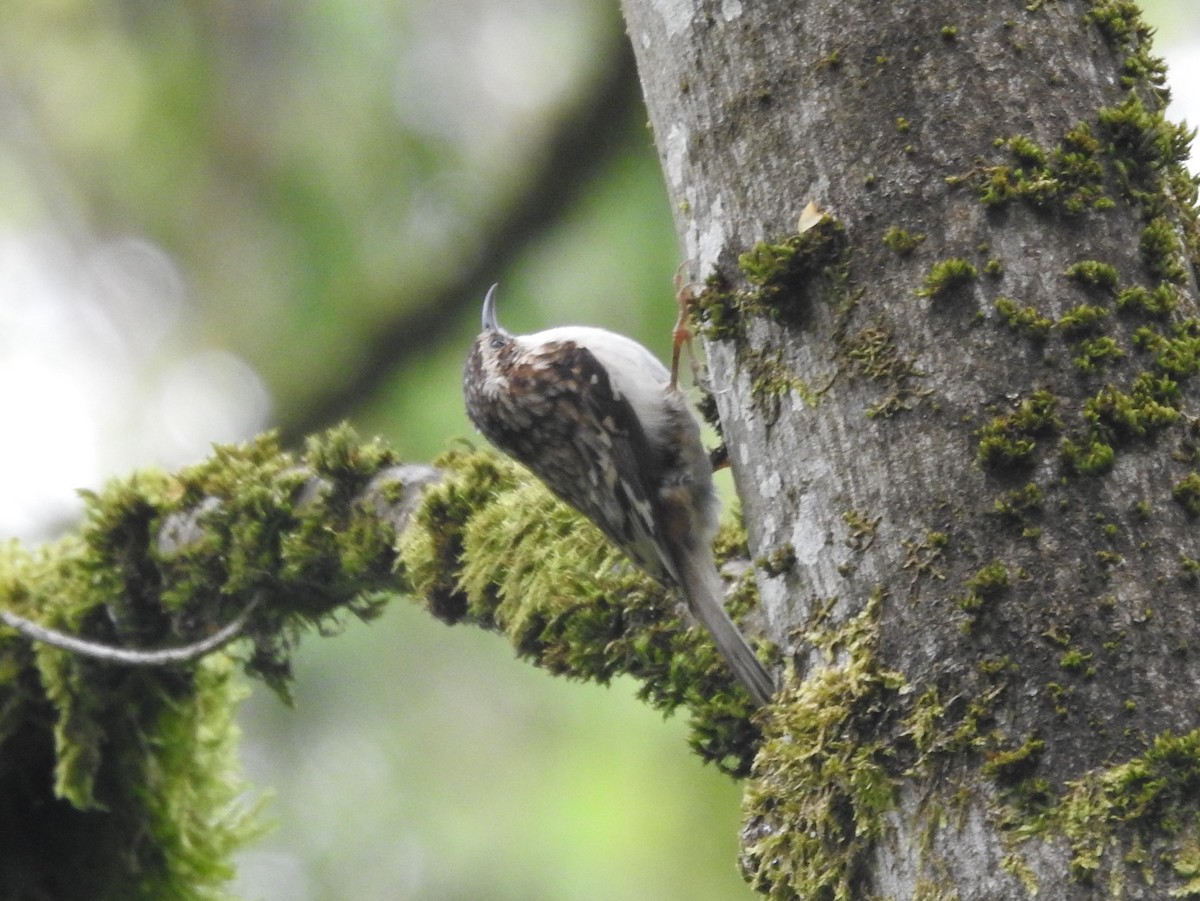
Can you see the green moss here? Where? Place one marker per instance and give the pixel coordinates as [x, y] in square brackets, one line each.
[1069, 177]
[1019, 503]
[1083, 319]
[875, 356]
[1094, 353]
[1187, 493]
[775, 267]
[1120, 21]
[999, 185]
[1025, 320]
[822, 782]
[1091, 455]
[990, 580]
[197, 802]
[531, 567]
[1074, 660]
[784, 276]
[146, 799]
[1026, 151]
[921, 555]
[1157, 303]
[901, 241]
[947, 275]
[1013, 765]
[1116, 811]
[1177, 355]
[985, 585]
[779, 561]
[430, 552]
[1093, 274]
[1011, 438]
[771, 381]
[830, 61]
[1147, 410]
[862, 529]
[1145, 139]
[720, 312]
[1161, 252]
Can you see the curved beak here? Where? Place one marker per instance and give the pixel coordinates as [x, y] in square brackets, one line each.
[489, 310]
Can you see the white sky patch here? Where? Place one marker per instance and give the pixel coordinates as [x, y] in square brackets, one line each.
[1183, 77]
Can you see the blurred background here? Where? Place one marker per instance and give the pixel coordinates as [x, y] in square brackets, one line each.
[220, 216]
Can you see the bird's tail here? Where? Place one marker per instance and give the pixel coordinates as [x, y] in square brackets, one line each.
[705, 594]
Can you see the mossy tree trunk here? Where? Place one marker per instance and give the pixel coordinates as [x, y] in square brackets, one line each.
[961, 413]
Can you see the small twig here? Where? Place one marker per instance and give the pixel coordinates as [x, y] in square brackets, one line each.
[131, 656]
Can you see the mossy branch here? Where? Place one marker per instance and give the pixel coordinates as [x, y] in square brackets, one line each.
[118, 771]
[115, 709]
[491, 546]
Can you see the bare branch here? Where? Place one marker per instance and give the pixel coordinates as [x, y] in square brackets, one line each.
[132, 656]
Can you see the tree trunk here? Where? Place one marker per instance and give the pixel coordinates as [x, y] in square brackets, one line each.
[960, 414]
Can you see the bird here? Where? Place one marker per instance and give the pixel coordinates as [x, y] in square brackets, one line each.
[602, 422]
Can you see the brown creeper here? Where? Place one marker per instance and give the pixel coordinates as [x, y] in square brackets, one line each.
[599, 419]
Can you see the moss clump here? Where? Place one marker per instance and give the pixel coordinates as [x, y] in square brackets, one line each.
[1075, 660]
[1148, 409]
[1084, 319]
[1121, 23]
[1025, 320]
[823, 779]
[1187, 493]
[947, 275]
[786, 265]
[779, 561]
[1019, 503]
[1176, 355]
[720, 312]
[1011, 438]
[1144, 138]
[1162, 253]
[901, 241]
[1027, 152]
[1095, 353]
[985, 585]
[862, 528]
[1109, 816]
[990, 580]
[1069, 177]
[1093, 274]
[1013, 765]
[1157, 303]
[1090, 456]
[782, 275]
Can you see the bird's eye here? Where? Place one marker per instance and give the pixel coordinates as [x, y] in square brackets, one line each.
[497, 342]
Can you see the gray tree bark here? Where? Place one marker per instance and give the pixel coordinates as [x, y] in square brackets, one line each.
[960, 411]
